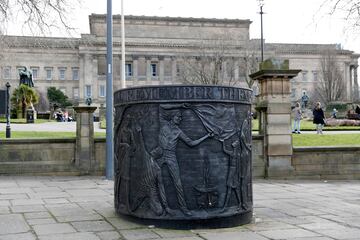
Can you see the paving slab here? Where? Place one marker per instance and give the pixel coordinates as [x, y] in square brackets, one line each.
[13, 223]
[233, 236]
[19, 236]
[70, 236]
[111, 235]
[92, 226]
[41, 221]
[139, 234]
[79, 208]
[54, 228]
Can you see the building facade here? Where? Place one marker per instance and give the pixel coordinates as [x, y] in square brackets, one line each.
[155, 51]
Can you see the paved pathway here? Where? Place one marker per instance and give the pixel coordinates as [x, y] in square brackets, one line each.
[81, 208]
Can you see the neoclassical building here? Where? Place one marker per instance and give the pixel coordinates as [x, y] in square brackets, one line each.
[155, 51]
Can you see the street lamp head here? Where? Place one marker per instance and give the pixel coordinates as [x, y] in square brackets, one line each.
[8, 85]
[261, 3]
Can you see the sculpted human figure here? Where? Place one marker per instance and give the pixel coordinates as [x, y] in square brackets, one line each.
[245, 178]
[169, 135]
[232, 181]
[152, 187]
[125, 151]
[26, 77]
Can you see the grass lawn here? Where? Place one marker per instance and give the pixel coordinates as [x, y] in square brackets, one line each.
[102, 123]
[305, 125]
[23, 120]
[326, 140]
[26, 135]
[309, 126]
[298, 139]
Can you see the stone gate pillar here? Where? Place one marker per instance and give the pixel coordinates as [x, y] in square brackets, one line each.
[85, 148]
[275, 111]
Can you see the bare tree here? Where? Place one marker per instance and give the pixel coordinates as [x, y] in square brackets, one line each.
[205, 65]
[331, 85]
[218, 62]
[349, 10]
[249, 65]
[38, 16]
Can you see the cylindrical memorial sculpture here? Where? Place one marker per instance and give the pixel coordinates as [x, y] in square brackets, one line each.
[183, 154]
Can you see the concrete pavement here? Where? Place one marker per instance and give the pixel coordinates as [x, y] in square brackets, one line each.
[76, 208]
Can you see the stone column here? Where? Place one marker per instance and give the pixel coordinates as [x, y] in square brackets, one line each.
[85, 147]
[356, 84]
[224, 71]
[82, 78]
[173, 70]
[94, 80]
[275, 107]
[148, 70]
[236, 70]
[135, 69]
[161, 70]
[348, 82]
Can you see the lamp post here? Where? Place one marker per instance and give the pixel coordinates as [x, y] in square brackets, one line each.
[261, 4]
[109, 94]
[123, 81]
[8, 129]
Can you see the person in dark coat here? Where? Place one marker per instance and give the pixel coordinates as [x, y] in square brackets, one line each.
[319, 118]
[357, 110]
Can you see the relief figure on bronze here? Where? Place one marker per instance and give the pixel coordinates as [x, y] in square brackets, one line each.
[151, 184]
[233, 181]
[245, 177]
[170, 134]
[123, 153]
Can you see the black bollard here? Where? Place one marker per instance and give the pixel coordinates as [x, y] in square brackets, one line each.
[8, 128]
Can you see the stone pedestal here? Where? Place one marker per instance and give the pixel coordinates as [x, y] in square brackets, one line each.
[85, 149]
[275, 111]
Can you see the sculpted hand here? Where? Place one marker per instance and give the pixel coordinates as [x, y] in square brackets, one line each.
[186, 105]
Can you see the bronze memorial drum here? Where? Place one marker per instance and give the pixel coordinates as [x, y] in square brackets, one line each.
[183, 155]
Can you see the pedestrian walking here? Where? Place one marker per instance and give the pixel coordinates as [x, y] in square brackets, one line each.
[297, 118]
[334, 113]
[319, 118]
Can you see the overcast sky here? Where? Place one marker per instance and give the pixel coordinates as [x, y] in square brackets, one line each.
[285, 21]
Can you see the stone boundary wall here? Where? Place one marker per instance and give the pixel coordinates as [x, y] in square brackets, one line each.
[258, 160]
[43, 156]
[326, 162]
[57, 156]
[100, 154]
